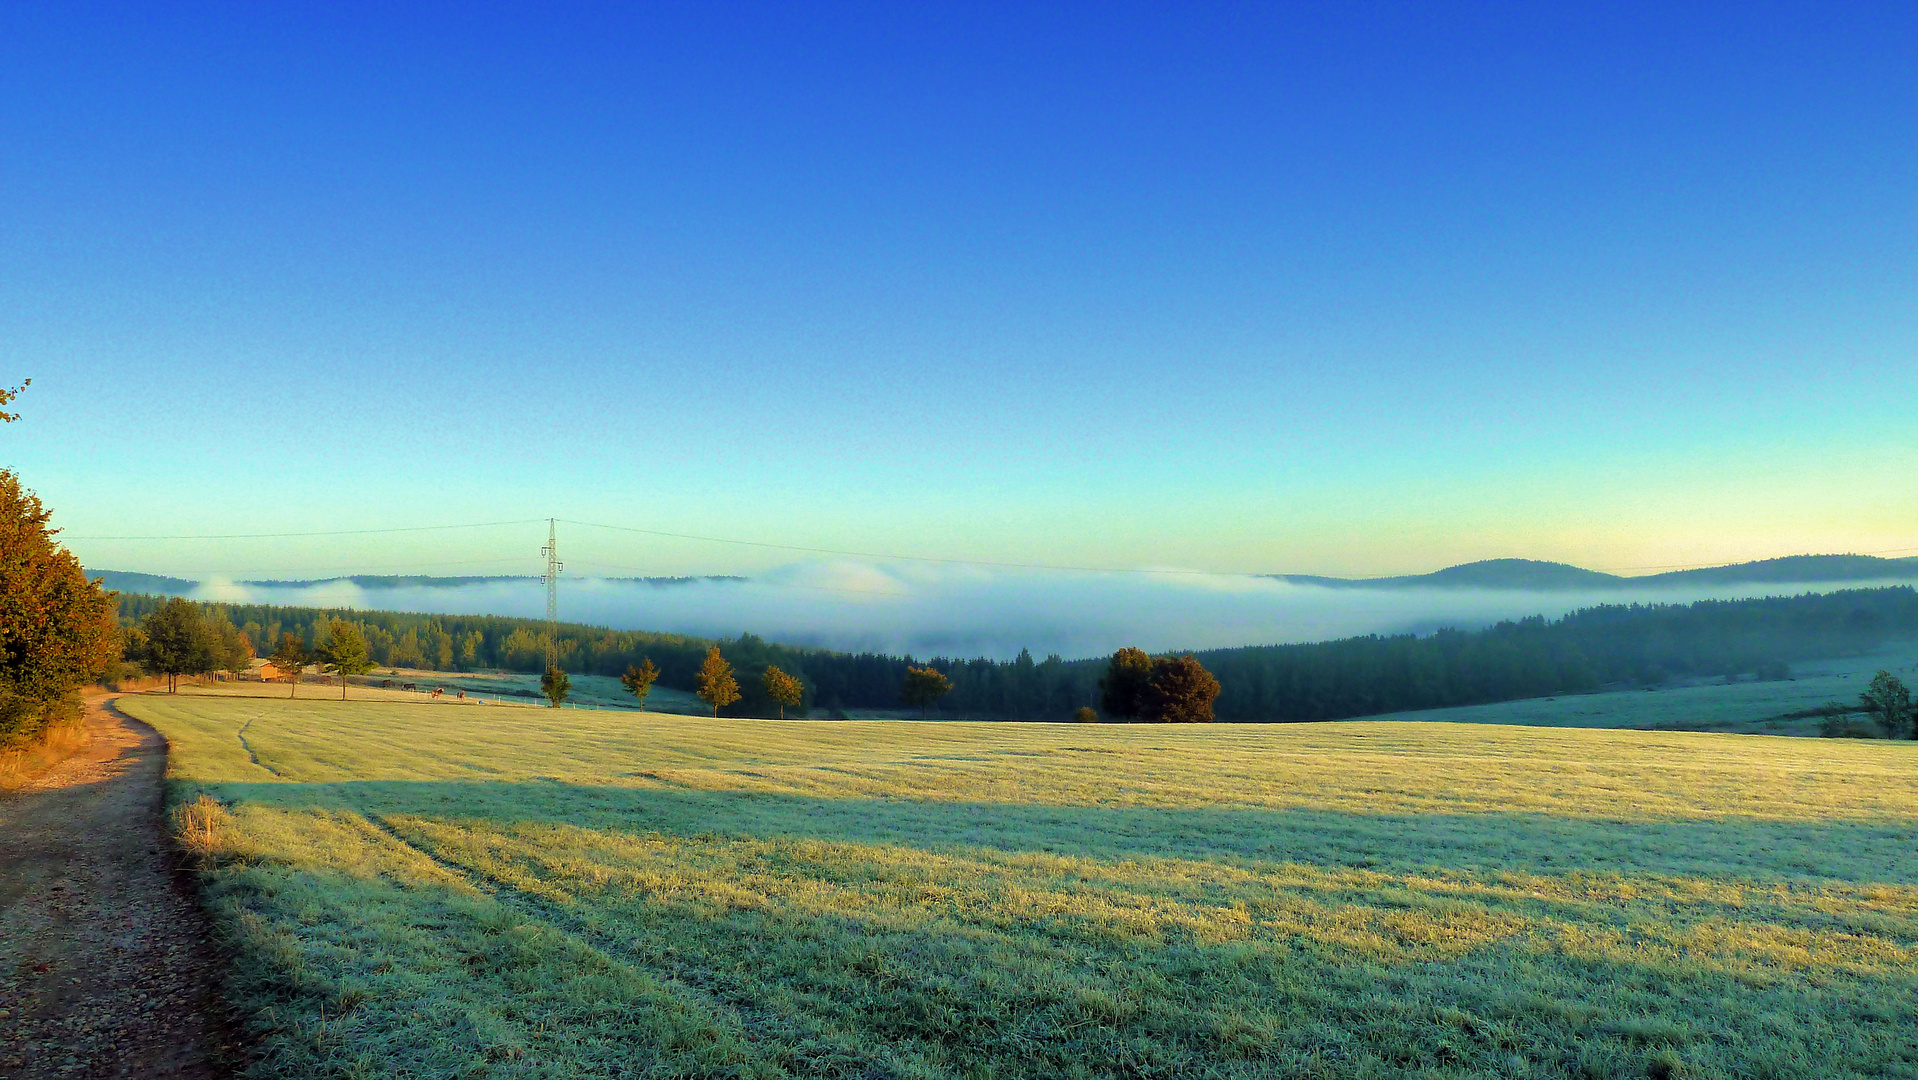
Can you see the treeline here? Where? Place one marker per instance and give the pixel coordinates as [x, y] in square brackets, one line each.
[832, 681]
[493, 642]
[436, 642]
[1613, 645]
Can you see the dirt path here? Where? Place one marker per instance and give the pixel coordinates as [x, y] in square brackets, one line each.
[105, 964]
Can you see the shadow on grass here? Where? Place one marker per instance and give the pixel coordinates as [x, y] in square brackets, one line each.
[1486, 842]
[793, 989]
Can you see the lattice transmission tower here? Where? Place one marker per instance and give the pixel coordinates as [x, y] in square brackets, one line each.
[551, 581]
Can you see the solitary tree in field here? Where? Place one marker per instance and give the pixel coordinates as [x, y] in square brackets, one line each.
[1182, 691]
[556, 685]
[639, 680]
[923, 686]
[1887, 700]
[345, 653]
[715, 681]
[1127, 684]
[784, 689]
[290, 658]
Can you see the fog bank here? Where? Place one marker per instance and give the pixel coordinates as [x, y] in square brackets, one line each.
[932, 611]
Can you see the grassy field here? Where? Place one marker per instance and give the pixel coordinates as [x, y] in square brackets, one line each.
[589, 691]
[1749, 707]
[416, 890]
[502, 688]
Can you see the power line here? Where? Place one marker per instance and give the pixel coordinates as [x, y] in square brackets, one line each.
[321, 532]
[342, 572]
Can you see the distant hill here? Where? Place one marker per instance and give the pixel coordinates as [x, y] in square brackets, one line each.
[127, 581]
[1529, 575]
[1532, 575]
[1519, 575]
[1795, 568]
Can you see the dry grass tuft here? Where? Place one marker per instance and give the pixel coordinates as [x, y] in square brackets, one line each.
[200, 826]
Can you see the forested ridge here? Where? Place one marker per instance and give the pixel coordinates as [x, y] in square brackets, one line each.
[1636, 644]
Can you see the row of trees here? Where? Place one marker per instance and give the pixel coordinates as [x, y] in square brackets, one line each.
[181, 638]
[178, 638]
[715, 683]
[1166, 689]
[829, 681]
[718, 685]
[1607, 646]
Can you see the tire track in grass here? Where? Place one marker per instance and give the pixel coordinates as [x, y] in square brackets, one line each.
[819, 1045]
[452, 982]
[798, 1040]
[255, 758]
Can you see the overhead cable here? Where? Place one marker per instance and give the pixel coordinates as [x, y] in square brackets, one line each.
[318, 532]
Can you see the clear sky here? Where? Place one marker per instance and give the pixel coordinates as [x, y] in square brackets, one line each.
[1319, 289]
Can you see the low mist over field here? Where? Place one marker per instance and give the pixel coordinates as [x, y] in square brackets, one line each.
[971, 612]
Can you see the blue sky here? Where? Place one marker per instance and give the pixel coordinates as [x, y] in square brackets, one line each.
[1332, 289]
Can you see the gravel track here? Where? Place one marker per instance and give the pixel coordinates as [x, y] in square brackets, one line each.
[106, 962]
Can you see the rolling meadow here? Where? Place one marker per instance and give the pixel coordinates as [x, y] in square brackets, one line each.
[415, 890]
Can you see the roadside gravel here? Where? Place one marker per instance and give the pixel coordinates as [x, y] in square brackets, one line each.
[106, 965]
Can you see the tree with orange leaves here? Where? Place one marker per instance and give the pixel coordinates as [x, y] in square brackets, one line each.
[57, 630]
[7, 396]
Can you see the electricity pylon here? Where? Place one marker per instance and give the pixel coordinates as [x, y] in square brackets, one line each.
[551, 581]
